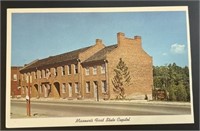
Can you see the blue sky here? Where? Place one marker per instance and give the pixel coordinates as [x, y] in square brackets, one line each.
[40, 35]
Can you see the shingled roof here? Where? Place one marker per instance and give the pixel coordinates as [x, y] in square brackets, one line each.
[73, 55]
[101, 55]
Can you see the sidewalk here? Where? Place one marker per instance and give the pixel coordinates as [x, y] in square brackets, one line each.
[104, 101]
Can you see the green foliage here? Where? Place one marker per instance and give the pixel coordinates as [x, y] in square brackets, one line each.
[121, 79]
[181, 93]
[174, 79]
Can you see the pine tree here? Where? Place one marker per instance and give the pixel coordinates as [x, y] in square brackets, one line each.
[121, 79]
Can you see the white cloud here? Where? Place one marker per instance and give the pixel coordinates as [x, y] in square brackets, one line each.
[177, 48]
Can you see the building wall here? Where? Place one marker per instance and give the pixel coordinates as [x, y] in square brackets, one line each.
[131, 52]
[139, 65]
[15, 80]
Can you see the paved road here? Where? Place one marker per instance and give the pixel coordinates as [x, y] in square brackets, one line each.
[76, 109]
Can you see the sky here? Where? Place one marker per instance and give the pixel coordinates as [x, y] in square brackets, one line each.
[40, 35]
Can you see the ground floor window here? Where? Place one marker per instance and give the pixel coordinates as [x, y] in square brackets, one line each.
[76, 87]
[63, 88]
[87, 87]
[70, 89]
[104, 87]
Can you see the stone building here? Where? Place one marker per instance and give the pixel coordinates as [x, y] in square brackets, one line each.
[15, 81]
[87, 73]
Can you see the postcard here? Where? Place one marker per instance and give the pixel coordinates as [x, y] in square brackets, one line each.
[98, 66]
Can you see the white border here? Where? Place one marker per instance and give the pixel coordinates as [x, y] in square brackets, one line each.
[53, 122]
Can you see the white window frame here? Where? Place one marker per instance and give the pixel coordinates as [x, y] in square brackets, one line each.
[103, 69]
[40, 89]
[63, 70]
[76, 87]
[94, 70]
[40, 74]
[69, 69]
[87, 71]
[104, 86]
[43, 73]
[75, 68]
[63, 87]
[35, 74]
[87, 87]
[55, 71]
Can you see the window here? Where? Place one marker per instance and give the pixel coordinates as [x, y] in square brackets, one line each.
[43, 73]
[103, 86]
[103, 69]
[40, 89]
[55, 72]
[35, 75]
[40, 74]
[24, 76]
[76, 68]
[76, 87]
[15, 77]
[63, 70]
[69, 70]
[87, 87]
[87, 71]
[94, 70]
[48, 73]
[63, 88]
[27, 90]
[27, 77]
[70, 89]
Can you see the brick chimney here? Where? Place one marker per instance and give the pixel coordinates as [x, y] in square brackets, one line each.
[138, 39]
[120, 37]
[99, 41]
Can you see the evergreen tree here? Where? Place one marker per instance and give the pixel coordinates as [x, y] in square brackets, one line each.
[121, 79]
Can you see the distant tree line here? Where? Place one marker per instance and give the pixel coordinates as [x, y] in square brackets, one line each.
[174, 80]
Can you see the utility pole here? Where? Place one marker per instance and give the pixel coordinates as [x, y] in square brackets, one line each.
[28, 101]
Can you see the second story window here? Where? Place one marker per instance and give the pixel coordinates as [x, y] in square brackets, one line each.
[69, 70]
[48, 73]
[103, 69]
[94, 70]
[43, 73]
[35, 74]
[55, 72]
[63, 70]
[40, 74]
[87, 71]
[75, 68]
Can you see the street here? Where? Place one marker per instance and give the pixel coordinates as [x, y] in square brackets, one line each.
[92, 108]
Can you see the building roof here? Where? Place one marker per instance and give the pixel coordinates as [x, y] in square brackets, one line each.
[101, 55]
[73, 55]
[69, 56]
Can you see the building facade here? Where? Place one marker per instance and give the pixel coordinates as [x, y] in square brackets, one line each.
[87, 73]
[15, 82]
